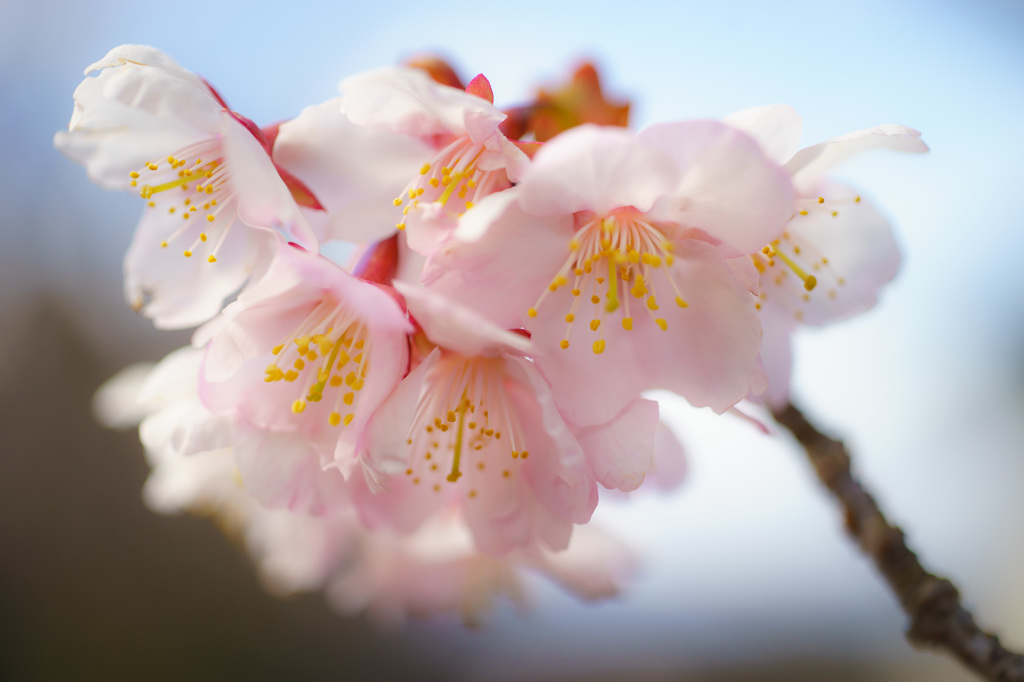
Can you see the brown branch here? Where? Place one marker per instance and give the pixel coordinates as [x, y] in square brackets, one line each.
[937, 618]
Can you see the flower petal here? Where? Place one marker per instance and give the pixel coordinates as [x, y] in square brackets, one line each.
[594, 168]
[776, 127]
[810, 163]
[728, 189]
[621, 451]
[355, 171]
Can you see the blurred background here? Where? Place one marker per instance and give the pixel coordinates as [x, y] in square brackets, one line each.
[747, 573]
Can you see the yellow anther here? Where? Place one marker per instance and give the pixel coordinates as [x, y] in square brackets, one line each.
[298, 406]
[564, 343]
[210, 217]
[434, 182]
[211, 259]
[425, 169]
[524, 454]
[335, 419]
[570, 317]
[767, 250]
[277, 349]
[594, 324]
[469, 204]
[595, 299]
[857, 200]
[188, 254]
[835, 213]
[573, 245]
[532, 312]
[681, 303]
[349, 397]
[821, 200]
[450, 416]
[134, 175]
[202, 236]
[810, 283]
[299, 364]
[652, 304]
[575, 292]
[152, 204]
[804, 212]
[335, 380]
[598, 347]
[627, 323]
[661, 323]
[151, 166]
[163, 245]
[348, 419]
[291, 375]
[399, 226]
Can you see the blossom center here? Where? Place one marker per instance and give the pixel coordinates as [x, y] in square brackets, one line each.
[191, 183]
[452, 179]
[327, 353]
[465, 425]
[613, 259]
[791, 267]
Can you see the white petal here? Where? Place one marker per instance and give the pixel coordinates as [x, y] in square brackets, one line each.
[810, 163]
[263, 198]
[355, 171]
[407, 101]
[776, 127]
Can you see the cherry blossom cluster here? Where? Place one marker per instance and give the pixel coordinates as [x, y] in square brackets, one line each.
[410, 429]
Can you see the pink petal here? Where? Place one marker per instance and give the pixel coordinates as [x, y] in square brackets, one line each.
[598, 169]
[729, 189]
[621, 451]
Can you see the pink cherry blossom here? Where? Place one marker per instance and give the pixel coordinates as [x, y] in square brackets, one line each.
[837, 251]
[474, 425]
[436, 570]
[144, 123]
[472, 157]
[307, 348]
[613, 252]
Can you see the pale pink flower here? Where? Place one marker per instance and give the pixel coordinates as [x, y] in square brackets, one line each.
[613, 252]
[307, 348]
[475, 425]
[144, 123]
[438, 570]
[837, 251]
[472, 157]
[435, 571]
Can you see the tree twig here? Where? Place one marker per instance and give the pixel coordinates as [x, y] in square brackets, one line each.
[937, 618]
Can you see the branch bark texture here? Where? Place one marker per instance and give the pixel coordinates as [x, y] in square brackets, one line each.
[937, 618]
